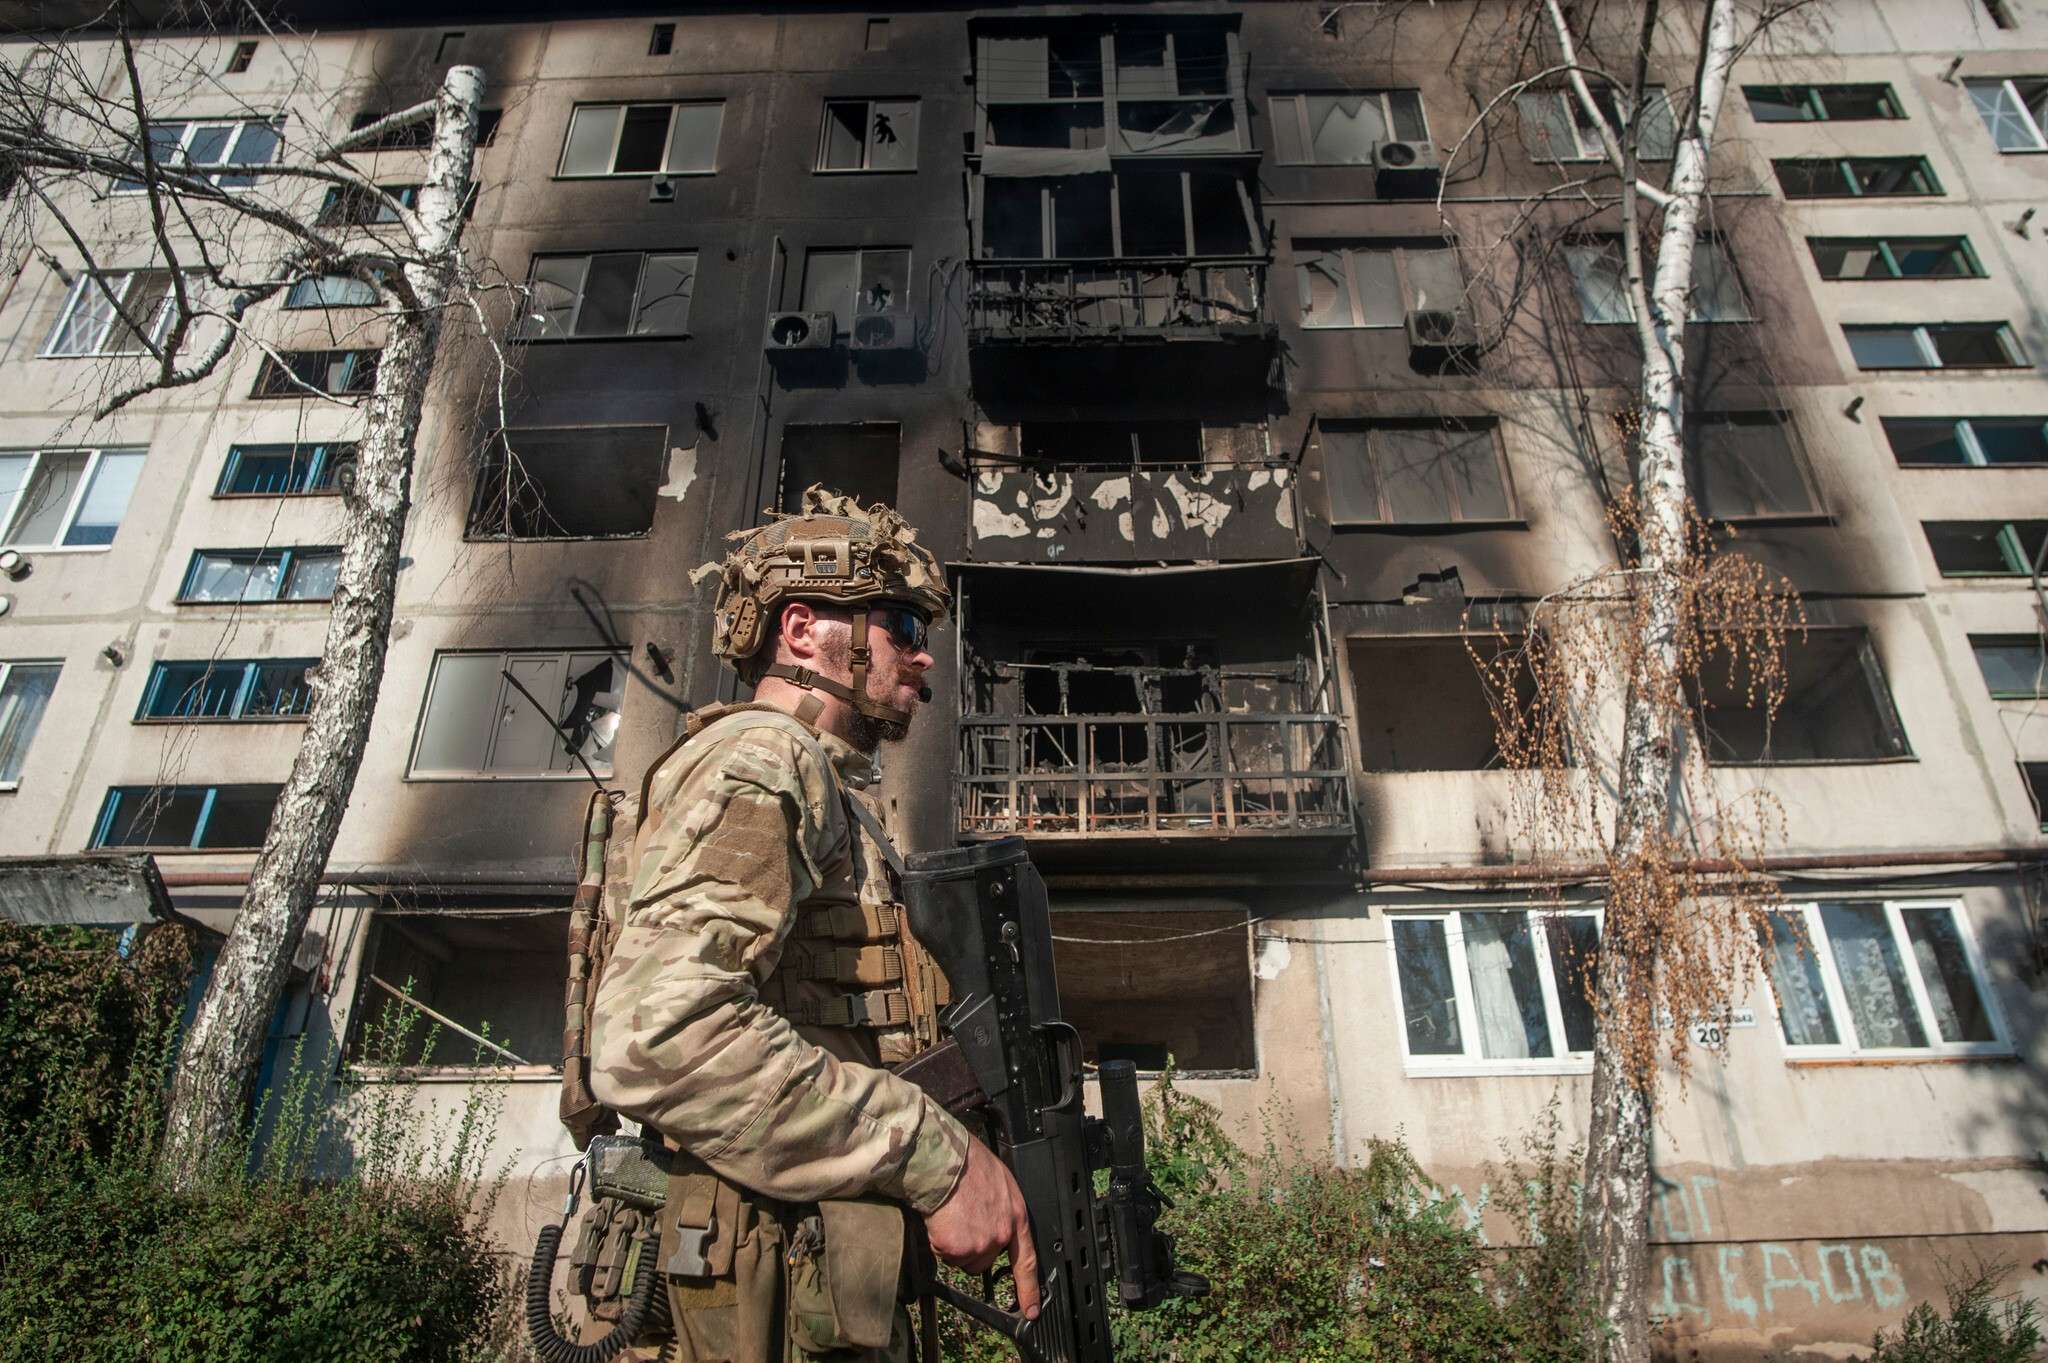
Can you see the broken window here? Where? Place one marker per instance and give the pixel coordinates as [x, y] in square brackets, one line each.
[854, 284]
[642, 139]
[1937, 345]
[1821, 103]
[499, 976]
[186, 818]
[306, 373]
[1855, 177]
[1342, 130]
[1148, 984]
[357, 206]
[868, 134]
[73, 498]
[1494, 986]
[1600, 278]
[228, 689]
[1746, 465]
[2015, 666]
[1860, 977]
[25, 691]
[1894, 258]
[1043, 91]
[1415, 472]
[127, 313]
[206, 150]
[418, 136]
[2014, 110]
[1556, 126]
[858, 459]
[592, 482]
[1109, 444]
[331, 291]
[618, 293]
[1987, 548]
[245, 575]
[1836, 706]
[662, 41]
[1422, 704]
[1375, 283]
[1967, 441]
[1173, 90]
[477, 723]
[1183, 213]
[2035, 774]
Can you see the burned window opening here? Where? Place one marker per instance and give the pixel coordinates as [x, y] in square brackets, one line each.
[1112, 445]
[1837, 707]
[858, 459]
[499, 977]
[1423, 704]
[1186, 993]
[590, 483]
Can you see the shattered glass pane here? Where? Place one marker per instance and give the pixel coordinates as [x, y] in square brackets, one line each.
[1746, 465]
[1434, 281]
[1546, 126]
[665, 288]
[1325, 298]
[1343, 128]
[1184, 126]
[884, 281]
[1379, 289]
[608, 288]
[892, 135]
[557, 287]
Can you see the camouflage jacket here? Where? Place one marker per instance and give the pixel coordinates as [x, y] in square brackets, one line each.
[753, 832]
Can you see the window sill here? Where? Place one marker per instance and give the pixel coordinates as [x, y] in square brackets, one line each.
[2023, 151]
[1497, 1069]
[1941, 368]
[1819, 1062]
[1898, 278]
[271, 601]
[33, 549]
[1429, 527]
[273, 496]
[9, 787]
[93, 355]
[175, 851]
[596, 340]
[848, 170]
[1906, 759]
[636, 536]
[637, 175]
[450, 1074]
[1791, 520]
[252, 720]
[1832, 198]
[486, 777]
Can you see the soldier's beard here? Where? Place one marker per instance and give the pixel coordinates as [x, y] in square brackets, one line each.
[865, 732]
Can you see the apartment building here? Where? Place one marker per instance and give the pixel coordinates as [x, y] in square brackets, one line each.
[1146, 314]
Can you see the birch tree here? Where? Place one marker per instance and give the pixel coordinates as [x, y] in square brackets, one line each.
[231, 228]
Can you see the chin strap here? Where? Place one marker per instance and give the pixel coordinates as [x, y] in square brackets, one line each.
[854, 695]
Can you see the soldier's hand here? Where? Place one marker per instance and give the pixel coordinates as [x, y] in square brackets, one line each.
[983, 1218]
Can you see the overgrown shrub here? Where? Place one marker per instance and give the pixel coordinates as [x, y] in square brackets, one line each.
[355, 1237]
[1982, 1326]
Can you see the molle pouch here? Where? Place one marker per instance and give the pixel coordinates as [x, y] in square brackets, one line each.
[845, 1266]
[628, 1181]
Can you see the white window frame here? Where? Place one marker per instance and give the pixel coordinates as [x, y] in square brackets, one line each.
[867, 136]
[124, 281]
[1610, 248]
[507, 695]
[7, 666]
[1923, 339]
[1400, 248]
[1474, 1061]
[1916, 988]
[12, 507]
[531, 330]
[1296, 103]
[1594, 151]
[2015, 109]
[213, 171]
[668, 144]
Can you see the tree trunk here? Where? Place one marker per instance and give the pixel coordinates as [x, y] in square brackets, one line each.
[218, 1062]
[1615, 1216]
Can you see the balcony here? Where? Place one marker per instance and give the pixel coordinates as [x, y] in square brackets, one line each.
[1197, 321]
[1220, 511]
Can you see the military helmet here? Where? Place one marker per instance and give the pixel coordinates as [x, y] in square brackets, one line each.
[834, 551]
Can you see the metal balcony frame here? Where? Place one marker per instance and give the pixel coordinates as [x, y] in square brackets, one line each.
[1049, 312]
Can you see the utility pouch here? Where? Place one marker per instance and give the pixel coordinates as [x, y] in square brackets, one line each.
[628, 1179]
[845, 1268]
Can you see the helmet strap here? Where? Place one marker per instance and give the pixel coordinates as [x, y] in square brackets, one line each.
[854, 695]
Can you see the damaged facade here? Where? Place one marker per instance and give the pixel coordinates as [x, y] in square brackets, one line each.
[1146, 316]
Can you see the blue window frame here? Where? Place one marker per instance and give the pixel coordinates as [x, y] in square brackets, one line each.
[300, 573]
[193, 818]
[284, 470]
[228, 689]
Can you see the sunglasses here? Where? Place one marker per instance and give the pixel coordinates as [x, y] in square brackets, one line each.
[906, 628]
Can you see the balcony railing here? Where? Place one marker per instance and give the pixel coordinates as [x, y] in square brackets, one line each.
[1203, 774]
[1117, 300]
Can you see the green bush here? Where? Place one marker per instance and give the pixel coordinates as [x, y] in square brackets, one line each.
[1323, 1265]
[355, 1237]
[1981, 1327]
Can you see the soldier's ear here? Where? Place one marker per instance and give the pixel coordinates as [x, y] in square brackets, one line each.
[800, 630]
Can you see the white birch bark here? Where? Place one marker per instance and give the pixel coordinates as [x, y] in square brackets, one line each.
[218, 1063]
[1614, 1226]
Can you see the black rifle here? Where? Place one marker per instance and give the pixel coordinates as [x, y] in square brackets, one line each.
[981, 912]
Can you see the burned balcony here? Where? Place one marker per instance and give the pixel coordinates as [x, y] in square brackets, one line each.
[1151, 733]
[1118, 303]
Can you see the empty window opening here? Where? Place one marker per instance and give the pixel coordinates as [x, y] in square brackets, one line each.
[662, 41]
[877, 35]
[418, 136]
[1065, 444]
[186, 818]
[1837, 707]
[1972, 442]
[448, 45]
[596, 482]
[499, 977]
[239, 59]
[1987, 548]
[477, 723]
[1420, 472]
[858, 459]
[1423, 705]
[1189, 999]
[2035, 774]
[1999, 12]
[361, 206]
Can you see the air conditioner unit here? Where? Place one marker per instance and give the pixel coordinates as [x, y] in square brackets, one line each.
[883, 331]
[1406, 170]
[1440, 331]
[799, 331]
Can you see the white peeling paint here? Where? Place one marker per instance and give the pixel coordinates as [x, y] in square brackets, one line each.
[1283, 511]
[991, 523]
[1023, 499]
[1198, 508]
[1274, 956]
[1046, 532]
[1045, 508]
[988, 484]
[682, 471]
[1111, 492]
[1123, 526]
[1259, 479]
[1161, 527]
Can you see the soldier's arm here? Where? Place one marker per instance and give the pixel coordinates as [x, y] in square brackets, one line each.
[681, 1042]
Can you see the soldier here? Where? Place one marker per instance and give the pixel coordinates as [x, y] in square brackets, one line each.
[764, 975]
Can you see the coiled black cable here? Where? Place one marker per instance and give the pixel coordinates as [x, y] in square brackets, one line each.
[540, 1321]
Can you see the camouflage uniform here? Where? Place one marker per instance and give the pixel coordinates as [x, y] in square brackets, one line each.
[746, 851]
